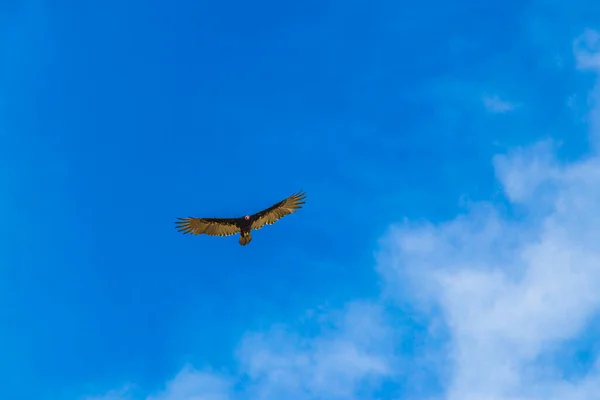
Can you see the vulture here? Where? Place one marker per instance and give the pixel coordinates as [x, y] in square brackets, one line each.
[243, 225]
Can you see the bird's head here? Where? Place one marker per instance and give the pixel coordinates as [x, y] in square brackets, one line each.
[246, 217]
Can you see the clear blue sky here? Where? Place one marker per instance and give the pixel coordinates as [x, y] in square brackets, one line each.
[117, 117]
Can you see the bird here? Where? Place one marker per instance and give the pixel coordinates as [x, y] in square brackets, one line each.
[242, 225]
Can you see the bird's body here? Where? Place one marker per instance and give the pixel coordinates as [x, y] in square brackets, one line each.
[243, 225]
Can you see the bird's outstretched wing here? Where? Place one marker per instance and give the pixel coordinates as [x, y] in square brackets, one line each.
[208, 226]
[277, 211]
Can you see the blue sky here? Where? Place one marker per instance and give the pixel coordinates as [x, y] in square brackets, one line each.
[117, 118]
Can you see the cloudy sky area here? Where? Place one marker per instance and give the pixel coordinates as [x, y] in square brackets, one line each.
[448, 249]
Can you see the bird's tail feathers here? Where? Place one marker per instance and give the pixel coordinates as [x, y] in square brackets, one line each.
[245, 238]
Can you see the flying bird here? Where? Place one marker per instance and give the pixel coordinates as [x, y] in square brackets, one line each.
[243, 225]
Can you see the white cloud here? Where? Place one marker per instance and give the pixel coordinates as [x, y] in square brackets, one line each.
[587, 50]
[351, 351]
[510, 293]
[526, 172]
[587, 55]
[496, 105]
[507, 302]
[332, 365]
[191, 384]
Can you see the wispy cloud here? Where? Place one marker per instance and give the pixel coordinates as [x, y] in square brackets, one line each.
[191, 384]
[339, 354]
[587, 50]
[511, 294]
[355, 347]
[496, 105]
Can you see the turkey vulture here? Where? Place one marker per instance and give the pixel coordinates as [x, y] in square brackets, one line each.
[243, 225]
